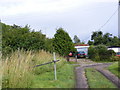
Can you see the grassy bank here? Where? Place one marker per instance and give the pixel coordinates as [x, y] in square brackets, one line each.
[65, 78]
[114, 69]
[97, 80]
[18, 69]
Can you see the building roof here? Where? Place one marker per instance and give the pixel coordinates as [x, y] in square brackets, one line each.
[113, 47]
[82, 45]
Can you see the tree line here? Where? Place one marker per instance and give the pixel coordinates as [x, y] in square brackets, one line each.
[107, 39]
[15, 37]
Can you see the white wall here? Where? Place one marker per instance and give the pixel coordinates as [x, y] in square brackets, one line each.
[82, 48]
[115, 49]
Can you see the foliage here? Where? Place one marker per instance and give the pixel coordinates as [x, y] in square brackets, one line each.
[100, 53]
[62, 42]
[114, 58]
[0, 37]
[107, 39]
[16, 37]
[76, 39]
[49, 45]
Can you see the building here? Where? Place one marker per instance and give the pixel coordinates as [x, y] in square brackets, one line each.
[114, 48]
[82, 47]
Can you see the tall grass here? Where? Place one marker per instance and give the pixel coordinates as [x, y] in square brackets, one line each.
[0, 70]
[43, 57]
[18, 71]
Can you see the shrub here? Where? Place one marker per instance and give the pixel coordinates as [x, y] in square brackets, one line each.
[114, 58]
[100, 53]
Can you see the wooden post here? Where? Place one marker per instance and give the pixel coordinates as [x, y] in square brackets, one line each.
[55, 66]
[67, 58]
[76, 58]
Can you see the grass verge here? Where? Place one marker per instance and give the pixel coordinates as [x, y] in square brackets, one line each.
[65, 78]
[114, 69]
[18, 71]
[97, 80]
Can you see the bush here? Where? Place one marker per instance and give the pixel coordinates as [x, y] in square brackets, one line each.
[114, 58]
[100, 53]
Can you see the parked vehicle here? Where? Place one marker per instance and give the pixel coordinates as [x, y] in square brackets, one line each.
[118, 54]
[81, 54]
[70, 54]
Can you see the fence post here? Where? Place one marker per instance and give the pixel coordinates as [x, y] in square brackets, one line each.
[76, 58]
[54, 65]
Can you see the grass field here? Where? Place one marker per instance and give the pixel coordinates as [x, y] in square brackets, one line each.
[114, 69]
[97, 80]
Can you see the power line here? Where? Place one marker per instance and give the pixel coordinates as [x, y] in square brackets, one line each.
[105, 22]
[108, 19]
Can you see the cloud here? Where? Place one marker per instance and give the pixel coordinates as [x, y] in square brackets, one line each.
[106, 0]
[13, 7]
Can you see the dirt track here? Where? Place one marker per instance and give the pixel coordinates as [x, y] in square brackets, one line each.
[81, 80]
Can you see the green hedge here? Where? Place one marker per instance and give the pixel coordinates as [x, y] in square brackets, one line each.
[100, 53]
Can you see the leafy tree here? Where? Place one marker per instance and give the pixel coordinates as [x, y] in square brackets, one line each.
[90, 42]
[14, 37]
[49, 45]
[62, 42]
[76, 39]
[106, 39]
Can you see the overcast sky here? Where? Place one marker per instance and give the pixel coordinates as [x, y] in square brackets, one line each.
[77, 17]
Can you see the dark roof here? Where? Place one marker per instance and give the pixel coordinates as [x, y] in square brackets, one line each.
[114, 47]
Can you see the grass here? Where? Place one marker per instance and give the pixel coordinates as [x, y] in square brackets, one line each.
[71, 62]
[0, 72]
[97, 80]
[18, 69]
[65, 78]
[114, 69]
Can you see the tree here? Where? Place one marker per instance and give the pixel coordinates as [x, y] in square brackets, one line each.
[62, 42]
[106, 39]
[100, 53]
[15, 37]
[90, 42]
[97, 37]
[76, 39]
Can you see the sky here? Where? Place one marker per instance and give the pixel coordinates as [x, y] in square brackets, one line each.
[77, 17]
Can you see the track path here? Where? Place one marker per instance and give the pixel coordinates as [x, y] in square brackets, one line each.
[81, 80]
